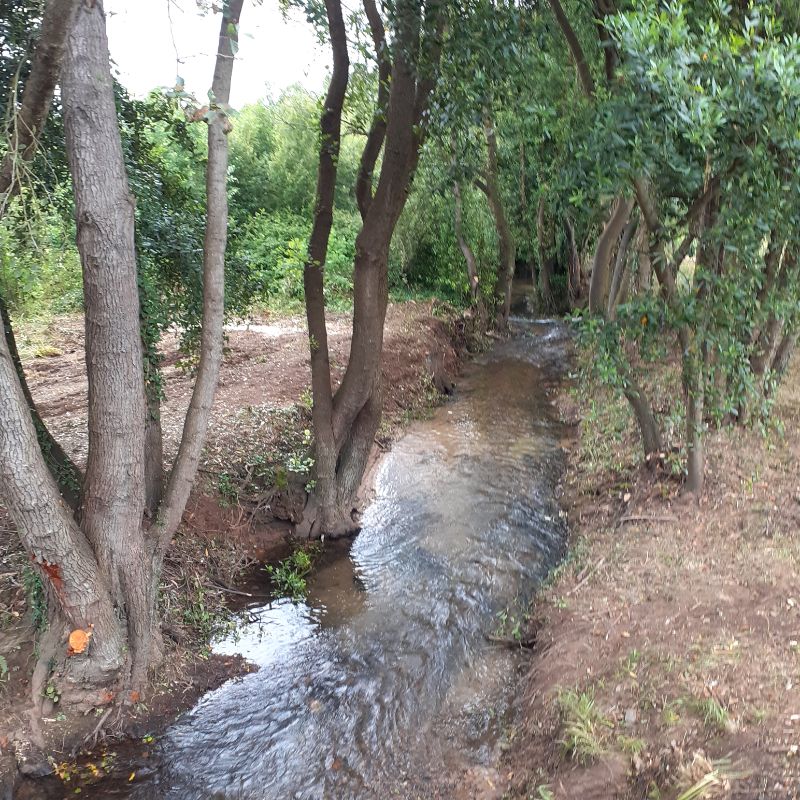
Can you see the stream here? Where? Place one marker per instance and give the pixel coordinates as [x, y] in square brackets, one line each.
[386, 682]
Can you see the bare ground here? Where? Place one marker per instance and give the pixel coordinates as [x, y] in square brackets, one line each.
[668, 645]
[235, 514]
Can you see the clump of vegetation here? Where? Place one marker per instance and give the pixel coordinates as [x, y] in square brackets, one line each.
[585, 729]
[289, 575]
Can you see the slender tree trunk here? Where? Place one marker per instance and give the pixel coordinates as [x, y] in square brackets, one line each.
[490, 186]
[648, 427]
[466, 250]
[581, 65]
[195, 425]
[545, 261]
[644, 269]
[601, 264]
[783, 354]
[29, 119]
[615, 292]
[695, 462]
[154, 475]
[574, 269]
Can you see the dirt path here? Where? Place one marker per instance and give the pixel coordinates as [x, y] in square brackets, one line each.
[667, 652]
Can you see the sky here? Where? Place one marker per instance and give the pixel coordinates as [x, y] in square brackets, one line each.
[153, 41]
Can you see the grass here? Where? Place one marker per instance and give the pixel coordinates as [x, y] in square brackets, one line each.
[585, 728]
[714, 715]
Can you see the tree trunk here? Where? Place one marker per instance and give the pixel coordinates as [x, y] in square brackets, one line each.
[345, 423]
[66, 475]
[695, 461]
[644, 269]
[643, 411]
[783, 354]
[574, 268]
[545, 261]
[581, 66]
[615, 292]
[195, 425]
[29, 119]
[601, 264]
[490, 186]
[466, 250]
[113, 498]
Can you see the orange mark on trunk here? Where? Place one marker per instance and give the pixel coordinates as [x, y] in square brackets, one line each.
[53, 572]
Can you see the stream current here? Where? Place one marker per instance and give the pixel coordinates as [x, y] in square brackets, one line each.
[386, 682]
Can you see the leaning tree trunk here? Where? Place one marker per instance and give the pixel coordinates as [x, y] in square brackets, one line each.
[64, 471]
[616, 292]
[601, 264]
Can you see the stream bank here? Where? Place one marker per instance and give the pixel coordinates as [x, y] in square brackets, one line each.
[667, 657]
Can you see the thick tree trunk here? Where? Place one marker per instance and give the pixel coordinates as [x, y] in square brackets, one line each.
[466, 250]
[56, 546]
[490, 186]
[113, 497]
[601, 264]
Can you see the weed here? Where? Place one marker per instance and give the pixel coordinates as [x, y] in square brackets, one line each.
[713, 713]
[509, 625]
[227, 489]
[3, 669]
[289, 576]
[544, 792]
[585, 727]
[52, 693]
[631, 745]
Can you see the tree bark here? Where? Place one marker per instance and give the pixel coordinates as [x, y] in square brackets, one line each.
[620, 266]
[490, 186]
[195, 425]
[601, 264]
[581, 65]
[113, 498]
[345, 423]
[466, 250]
[545, 261]
[574, 288]
[643, 411]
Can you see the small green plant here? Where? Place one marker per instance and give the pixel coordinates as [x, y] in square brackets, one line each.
[713, 713]
[3, 669]
[227, 489]
[631, 745]
[52, 693]
[544, 792]
[289, 575]
[584, 727]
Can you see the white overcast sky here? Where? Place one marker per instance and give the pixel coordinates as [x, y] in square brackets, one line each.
[149, 49]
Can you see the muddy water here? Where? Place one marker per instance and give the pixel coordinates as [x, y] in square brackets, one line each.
[385, 683]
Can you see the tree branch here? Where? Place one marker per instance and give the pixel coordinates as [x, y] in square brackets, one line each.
[581, 66]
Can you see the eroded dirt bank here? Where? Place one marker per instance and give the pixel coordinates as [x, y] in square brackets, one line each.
[667, 662]
[248, 493]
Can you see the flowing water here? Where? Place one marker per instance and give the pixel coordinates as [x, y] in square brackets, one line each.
[387, 681]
